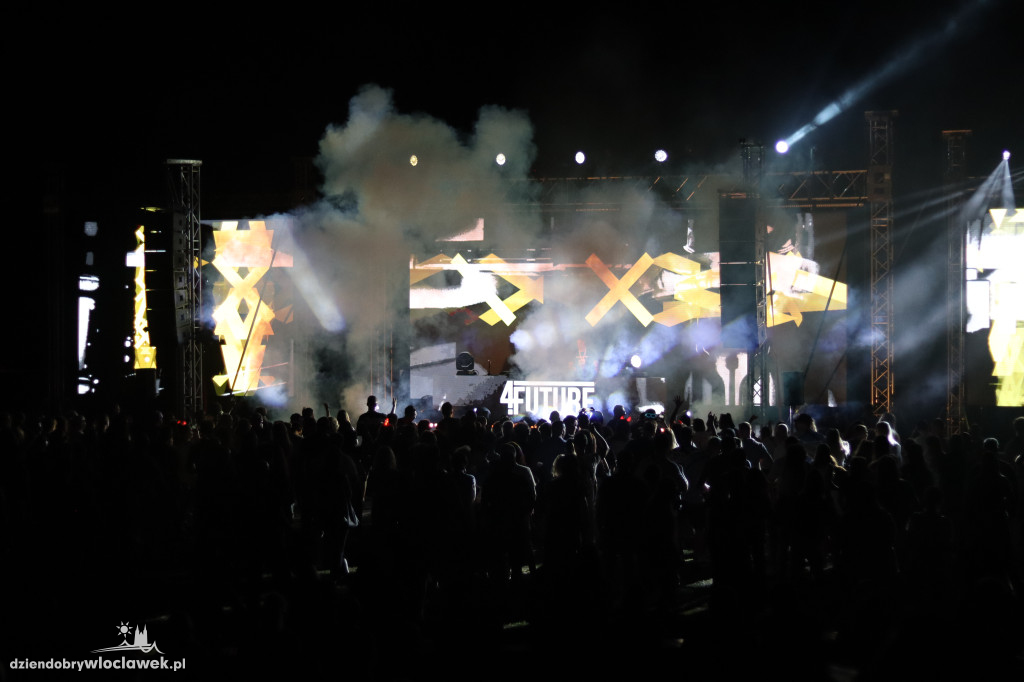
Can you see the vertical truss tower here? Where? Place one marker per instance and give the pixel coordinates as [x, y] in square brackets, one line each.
[880, 144]
[955, 175]
[757, 382]
[380, 359]
[183, 178]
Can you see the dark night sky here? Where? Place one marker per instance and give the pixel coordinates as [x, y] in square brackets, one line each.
[246, 93]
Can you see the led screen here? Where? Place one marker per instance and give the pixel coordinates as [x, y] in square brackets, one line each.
[481, 319]
[995, 304]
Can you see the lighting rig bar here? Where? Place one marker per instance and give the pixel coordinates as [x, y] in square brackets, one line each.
[801, 189]
[820, 189]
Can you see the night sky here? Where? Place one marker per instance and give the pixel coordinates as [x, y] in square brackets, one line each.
[246, 93]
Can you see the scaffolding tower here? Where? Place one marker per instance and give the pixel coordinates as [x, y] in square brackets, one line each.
[955, 175]
[183, 176]
[880, 144]
[758, 390]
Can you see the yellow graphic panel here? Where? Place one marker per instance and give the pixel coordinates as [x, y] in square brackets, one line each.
[618, 290]
[243, 307]
[1006, 336]
[798, 291]
[498, 306]
[530, 288]
[796, 288]
[692, 298]
[145, 354]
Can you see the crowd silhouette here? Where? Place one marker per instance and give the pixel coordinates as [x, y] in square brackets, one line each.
[479, 546]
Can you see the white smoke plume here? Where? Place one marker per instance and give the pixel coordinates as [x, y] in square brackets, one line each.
[352, 248]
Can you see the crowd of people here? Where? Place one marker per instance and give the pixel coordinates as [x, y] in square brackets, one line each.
[319, 543]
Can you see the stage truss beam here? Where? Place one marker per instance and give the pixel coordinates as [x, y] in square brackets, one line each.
[801, 189]
[820, 189]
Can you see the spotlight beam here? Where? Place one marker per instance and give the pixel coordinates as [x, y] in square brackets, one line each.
[894, 66]
[976, 206]
[1009, 203]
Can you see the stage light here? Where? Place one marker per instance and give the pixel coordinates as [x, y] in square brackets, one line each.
[661, 156]
[580, 158]
[145, 354]
[465, 365]
[782, 146]
[1006, 156]
[413, 160]
[636, 361]
[500, 159]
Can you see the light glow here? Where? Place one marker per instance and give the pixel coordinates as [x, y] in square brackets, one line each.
[996, 296]
[145, 354]
[796, 286]
[244, 339]
[732, 373]
[85, 306]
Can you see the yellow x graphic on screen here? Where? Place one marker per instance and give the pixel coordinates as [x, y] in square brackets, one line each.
[471, 272]
[618, 290]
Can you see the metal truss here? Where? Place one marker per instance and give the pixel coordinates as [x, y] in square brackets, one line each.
[955, 174]
[801, 189]
[820, 189]
[753, 164]
[381, 364]
[758, 365]
[757, 382]
[188, 283]
[879, 186]
[676, 190]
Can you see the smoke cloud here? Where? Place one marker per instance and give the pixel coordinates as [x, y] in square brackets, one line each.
[352, 248]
